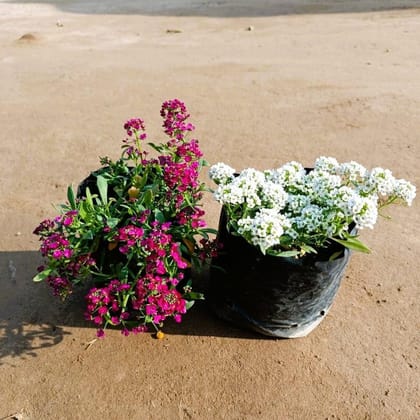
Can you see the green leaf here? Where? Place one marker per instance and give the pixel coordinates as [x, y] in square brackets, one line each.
[188, 201]
[123, 274]
[89, 199]
[159, 216]
[353, 243]
[309, 249]
[288, 253]
[204, 234]
[283, 253]
[140, 181]
[102, 185]
[194, 296]
[335, 255]
[70, 197]
[156, 147]
[82, 211]
[189, 304]
[88, 235]
[218, 268]
[42, 275]
[184, 249]
[112, 222]
[209, 230]
[232, 228]
[148, 198]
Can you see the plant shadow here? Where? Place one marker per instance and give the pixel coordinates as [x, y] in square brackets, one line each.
[28, 315]
[31, 319]
[201, 321]
[221, 8]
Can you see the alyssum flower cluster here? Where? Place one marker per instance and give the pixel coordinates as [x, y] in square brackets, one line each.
[132, 230]
[291, 210]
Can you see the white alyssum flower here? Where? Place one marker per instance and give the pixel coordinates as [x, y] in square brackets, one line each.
[229, 194]
[381, 180]
[341, 198]
[364, 211]
[353, 171]
[264, 229]
[273, 195]
[289, 174]
[319, 184]
[251, 177]
[327, 164]
[243, 188]
[221, 173]
[290, 207]
[405, 190]
[250, 182]
[296, 202]
[310, 218]
[330, 225]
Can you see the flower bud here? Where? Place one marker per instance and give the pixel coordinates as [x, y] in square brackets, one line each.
[133, 192]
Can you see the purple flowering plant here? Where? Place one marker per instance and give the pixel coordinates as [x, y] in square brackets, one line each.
[134, 231]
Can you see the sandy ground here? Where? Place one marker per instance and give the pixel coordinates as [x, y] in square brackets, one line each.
[310, 78]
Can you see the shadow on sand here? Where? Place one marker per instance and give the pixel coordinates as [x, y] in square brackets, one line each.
[32, 319]
[222, 8]
[28, 314]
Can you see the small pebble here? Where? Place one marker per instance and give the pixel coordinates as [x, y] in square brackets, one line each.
[250, 28]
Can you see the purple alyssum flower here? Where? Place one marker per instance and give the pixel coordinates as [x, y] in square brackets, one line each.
[135, 234]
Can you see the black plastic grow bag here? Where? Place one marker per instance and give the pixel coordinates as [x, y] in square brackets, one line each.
[276, 296]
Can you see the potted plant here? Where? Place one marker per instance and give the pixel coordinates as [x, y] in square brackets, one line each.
[287, 234]
[134, 231]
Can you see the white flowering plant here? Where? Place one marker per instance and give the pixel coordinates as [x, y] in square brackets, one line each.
[291, 210]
